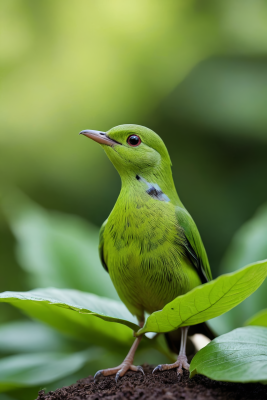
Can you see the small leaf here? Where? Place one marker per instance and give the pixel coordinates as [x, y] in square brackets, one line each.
[65, 310]
[207, 301]
[40, 368]
[238, 356]
[259, 319]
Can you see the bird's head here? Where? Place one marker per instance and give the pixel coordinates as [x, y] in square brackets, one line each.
[133, 149]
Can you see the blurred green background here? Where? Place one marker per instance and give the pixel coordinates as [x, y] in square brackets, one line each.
[193, 71]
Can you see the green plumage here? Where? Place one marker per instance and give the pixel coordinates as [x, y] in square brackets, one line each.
[149, 244]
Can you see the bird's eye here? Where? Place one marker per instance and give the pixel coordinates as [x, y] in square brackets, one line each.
[134, 140]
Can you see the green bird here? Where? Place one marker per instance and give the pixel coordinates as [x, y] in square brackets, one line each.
[149, 244]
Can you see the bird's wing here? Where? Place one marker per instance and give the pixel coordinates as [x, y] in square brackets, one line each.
[193, 244]
[101, 245]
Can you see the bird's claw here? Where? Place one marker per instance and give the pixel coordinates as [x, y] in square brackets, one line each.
[140, 369]
[181, 364]
[97, 375]
[122, 371]
[118, 371]
[158, 368]
[117, 377]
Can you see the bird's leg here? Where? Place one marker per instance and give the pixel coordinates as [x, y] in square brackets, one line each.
[126, 365]
[182, 361]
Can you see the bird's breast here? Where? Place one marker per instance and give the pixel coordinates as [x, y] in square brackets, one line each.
[143, 251]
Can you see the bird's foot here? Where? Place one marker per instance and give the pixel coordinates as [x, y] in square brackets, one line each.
[119, 371]
[180, 364]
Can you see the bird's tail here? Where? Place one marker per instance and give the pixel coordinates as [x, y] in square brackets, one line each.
[174, 338]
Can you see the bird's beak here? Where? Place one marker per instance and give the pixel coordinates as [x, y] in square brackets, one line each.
[99, 137]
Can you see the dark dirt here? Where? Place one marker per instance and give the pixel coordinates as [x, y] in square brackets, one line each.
[164, 385]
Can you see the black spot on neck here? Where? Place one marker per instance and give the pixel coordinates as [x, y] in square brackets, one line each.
[153, 192]
[138, 177]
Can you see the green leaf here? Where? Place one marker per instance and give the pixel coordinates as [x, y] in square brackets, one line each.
[95, 319]
[30, 336]
[40, 368]
[57, 249]
[106, 323]
[207, 301]
[259, 319]
[248, 245]
[238, 356]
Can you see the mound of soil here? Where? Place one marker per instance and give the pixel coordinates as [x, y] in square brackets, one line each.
[163, 385]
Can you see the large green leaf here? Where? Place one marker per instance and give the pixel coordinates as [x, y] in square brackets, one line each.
[207, 301]
[93, 319]
[40, 368]
[238, 356]
[259, 319]
[248, 245]
[106, 322]
[57, 249]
